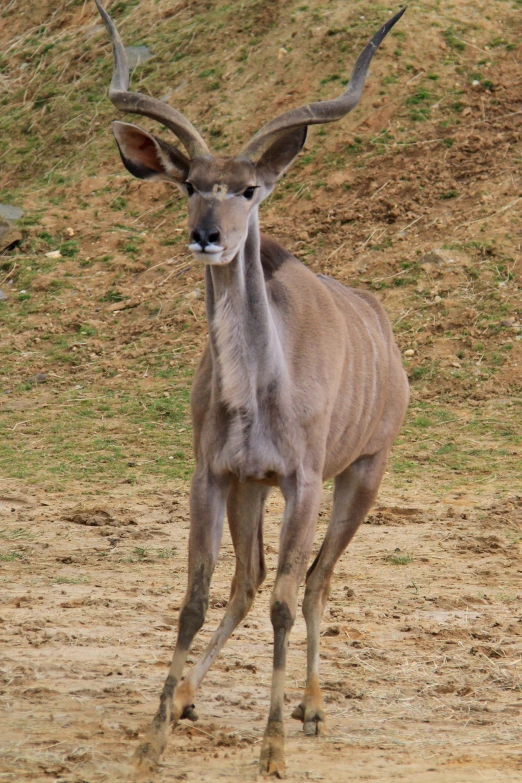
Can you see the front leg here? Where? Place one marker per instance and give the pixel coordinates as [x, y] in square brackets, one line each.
[207, 509]
[302, 495]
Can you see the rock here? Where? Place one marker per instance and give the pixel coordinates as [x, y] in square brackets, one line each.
[69, 232]
[3, 296]
[128, 303]
[136, 55]
[433, 257]
[115, 307]
[332, 630]
[9, 235]
[9, 212]
[53, 254]
[196, 294]
[40, 378]
[93, 517]
[409, 352]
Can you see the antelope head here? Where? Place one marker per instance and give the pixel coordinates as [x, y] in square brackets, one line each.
[223, 193]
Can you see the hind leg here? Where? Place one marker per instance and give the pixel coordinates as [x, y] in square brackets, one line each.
[302, 493]
[354, 493]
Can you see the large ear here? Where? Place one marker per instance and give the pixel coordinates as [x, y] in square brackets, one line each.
[148, 157]
[280, 154]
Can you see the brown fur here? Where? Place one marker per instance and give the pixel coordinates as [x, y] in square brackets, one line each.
[273, 256]
[300, 381]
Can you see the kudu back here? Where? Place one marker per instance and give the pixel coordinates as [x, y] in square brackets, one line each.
[300, 381]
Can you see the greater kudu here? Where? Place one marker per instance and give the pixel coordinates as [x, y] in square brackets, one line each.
[300, 381]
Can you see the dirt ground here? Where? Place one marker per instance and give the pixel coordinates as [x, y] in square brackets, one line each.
[421, 646]
[416, 197]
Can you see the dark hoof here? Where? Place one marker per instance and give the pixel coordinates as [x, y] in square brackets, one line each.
[311, 718]
[189, 713]
[313, 725]
[299, 713]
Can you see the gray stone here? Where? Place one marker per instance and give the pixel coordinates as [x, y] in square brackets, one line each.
[9, 235]
[40, 378]
[137, 55]
[9, 212]
[433, 257]
[3, 296]
[196, 294]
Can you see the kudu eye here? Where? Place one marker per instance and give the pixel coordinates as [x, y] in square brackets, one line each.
[190, 189]
[249, 192]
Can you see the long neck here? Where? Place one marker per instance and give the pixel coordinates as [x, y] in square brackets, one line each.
[246, 348]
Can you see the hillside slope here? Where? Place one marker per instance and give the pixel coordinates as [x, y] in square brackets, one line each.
[430, 160]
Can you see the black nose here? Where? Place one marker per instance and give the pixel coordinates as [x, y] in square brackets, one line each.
[205, 236]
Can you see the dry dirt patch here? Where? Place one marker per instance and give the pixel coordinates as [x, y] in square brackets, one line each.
[420, 655]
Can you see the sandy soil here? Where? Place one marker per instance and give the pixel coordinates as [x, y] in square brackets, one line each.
[421, 659]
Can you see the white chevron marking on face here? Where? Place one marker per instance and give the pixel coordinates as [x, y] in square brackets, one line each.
[220, 191]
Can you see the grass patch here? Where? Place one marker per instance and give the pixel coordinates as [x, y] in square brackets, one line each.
[133, 404]
[19, 534]
[453, 40]
[94, 439]
[9, 557]
[399, 558]
[82, 579]
[166, 554]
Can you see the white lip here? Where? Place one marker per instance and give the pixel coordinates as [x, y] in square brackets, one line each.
[196, 248]
[210, 255]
